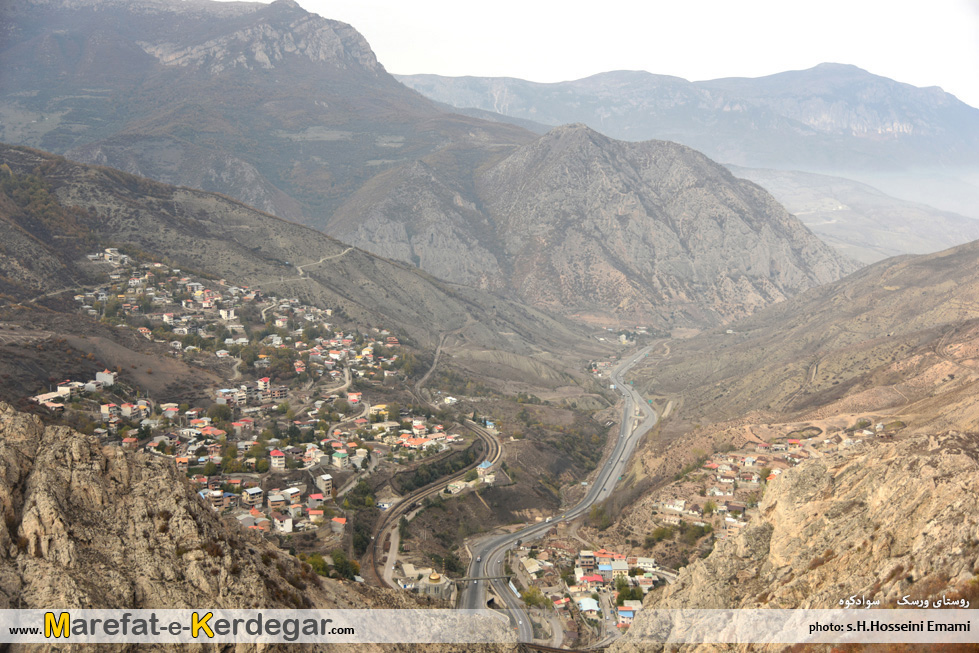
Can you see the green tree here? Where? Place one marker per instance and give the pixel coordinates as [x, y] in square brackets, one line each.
[210, 469]
[534, 597]
[219, 412]
[621, 584]
[343, 566]
[318, 563]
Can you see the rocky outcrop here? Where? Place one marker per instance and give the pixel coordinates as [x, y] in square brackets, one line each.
[898, 519]
[649, 232]
[90, 527]
[287, 31]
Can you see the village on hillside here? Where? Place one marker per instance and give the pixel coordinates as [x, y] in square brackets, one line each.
[286, 437]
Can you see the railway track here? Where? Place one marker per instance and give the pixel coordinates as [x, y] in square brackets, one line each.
[492, 450]
[540, 647]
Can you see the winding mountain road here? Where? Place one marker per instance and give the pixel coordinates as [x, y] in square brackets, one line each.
[489, 552]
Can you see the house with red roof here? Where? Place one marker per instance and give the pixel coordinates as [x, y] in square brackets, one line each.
[278, 459]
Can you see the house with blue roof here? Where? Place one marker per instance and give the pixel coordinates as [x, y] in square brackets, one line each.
[606, 572]
[589, 607]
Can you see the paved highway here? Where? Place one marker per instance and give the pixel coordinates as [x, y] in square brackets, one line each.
[488, 553]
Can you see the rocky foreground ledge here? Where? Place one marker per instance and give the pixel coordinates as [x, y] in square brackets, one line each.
[896, 519]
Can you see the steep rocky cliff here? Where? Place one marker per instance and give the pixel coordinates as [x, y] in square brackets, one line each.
[91, 527]
[898, 519]
[268, 103]
[578, 222]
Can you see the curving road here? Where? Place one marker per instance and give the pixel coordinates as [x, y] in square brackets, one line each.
[488, 553]
[389, 522]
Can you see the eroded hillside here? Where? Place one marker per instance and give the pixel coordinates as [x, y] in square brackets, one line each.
[894, 520]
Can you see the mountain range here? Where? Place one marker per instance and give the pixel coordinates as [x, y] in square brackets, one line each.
[293, 114]
[831, 119]
[830, 116]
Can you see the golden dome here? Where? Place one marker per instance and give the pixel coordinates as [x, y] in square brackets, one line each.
[435, 577]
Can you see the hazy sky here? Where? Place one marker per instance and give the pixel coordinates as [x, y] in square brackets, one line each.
[925, 43]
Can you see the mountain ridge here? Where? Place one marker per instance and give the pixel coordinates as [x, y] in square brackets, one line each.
[292, 113]
[919, 144]
[581, 223]
[875, 100]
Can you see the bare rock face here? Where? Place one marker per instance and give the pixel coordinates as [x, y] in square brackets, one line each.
[287, 31]
[92, 528]
[898, 520]
[584, 224]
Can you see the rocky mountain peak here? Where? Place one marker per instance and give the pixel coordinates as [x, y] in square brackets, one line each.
[276, 33]
[583, 223]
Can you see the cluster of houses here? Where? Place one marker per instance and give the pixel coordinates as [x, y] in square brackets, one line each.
[606, 570]
[278, 510]
[136, 287]
[599, 572]
[728, 480]
[68, 389]
[185, 306]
